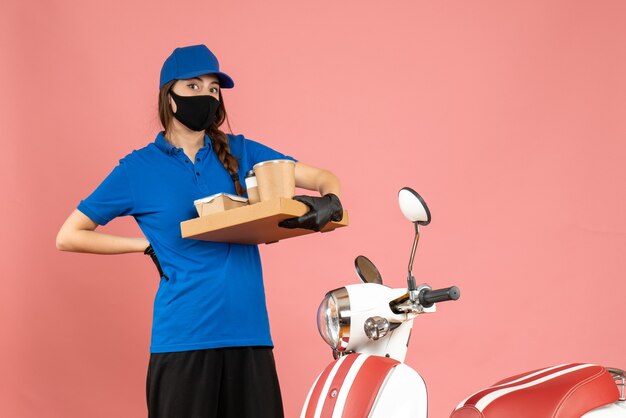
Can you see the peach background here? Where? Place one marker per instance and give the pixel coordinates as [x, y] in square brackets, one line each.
[507, 116]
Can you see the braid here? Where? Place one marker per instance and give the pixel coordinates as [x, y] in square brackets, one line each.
[229, 161]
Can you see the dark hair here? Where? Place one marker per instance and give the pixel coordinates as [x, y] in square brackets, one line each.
[219, 139]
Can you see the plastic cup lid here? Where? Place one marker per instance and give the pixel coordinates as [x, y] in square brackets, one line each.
[273, 162]
[214, 196]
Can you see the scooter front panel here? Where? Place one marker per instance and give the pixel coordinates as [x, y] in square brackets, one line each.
[315, 399]
[403, 395]
[356, 385]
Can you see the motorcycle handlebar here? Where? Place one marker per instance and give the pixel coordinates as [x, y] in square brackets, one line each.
[428, 298]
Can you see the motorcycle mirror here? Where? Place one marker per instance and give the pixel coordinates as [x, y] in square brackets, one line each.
[367, 271]
[413, 206]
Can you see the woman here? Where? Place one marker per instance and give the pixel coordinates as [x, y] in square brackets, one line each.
[211, 349]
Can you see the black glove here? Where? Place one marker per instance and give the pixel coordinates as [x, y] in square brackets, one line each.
[321, 211]
[150, 251]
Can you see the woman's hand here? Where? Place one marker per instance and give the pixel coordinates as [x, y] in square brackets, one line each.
[321, 211]
[150, 251]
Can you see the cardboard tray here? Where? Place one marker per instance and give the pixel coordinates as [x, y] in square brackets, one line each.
[252, 224]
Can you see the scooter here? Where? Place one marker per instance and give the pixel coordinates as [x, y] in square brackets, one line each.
[368, 327]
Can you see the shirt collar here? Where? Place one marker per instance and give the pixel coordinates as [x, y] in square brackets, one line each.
[168, 148]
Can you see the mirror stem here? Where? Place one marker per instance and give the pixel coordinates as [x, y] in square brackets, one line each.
[411, 280]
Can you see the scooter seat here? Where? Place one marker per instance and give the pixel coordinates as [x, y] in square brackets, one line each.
[564, 391]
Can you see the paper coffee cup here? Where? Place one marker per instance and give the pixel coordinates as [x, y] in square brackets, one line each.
[275, 178]
[252, 189]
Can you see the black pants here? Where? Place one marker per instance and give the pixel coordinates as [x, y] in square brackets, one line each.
[233, 382]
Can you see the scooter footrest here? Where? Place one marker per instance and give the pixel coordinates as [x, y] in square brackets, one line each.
[564, 391]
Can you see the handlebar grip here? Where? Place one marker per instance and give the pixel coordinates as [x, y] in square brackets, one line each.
[428, 298]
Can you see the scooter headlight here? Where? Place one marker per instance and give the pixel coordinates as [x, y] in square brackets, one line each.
[333, 319]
